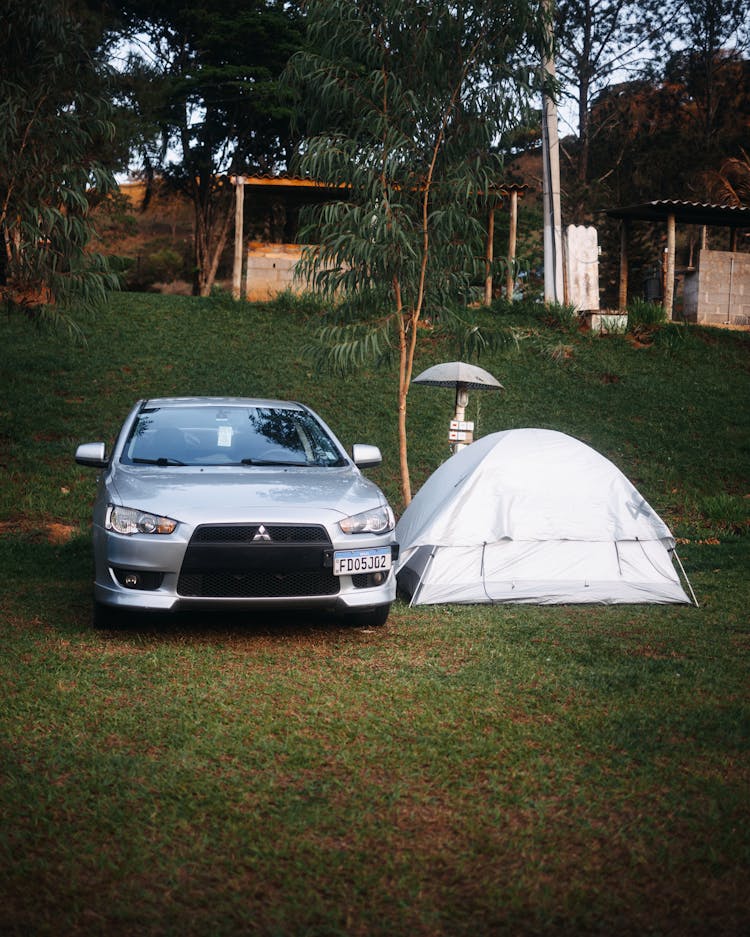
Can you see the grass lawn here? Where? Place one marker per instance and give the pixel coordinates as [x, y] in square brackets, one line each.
[460, 771]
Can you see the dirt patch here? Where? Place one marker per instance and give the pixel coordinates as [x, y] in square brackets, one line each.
[60, 533]
[51, 531]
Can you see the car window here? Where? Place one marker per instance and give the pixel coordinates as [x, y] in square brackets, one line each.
[229, 436]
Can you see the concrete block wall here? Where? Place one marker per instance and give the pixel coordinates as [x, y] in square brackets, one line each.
[718, 292]
[270, 270]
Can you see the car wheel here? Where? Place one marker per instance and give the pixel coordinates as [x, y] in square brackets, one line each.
[372, 618]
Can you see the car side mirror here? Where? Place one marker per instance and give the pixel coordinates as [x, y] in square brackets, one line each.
[366, 456]
[92, 454]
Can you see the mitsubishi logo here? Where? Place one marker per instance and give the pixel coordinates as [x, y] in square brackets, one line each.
[262, 534]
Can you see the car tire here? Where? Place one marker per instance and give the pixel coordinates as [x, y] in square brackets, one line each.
[372, 618]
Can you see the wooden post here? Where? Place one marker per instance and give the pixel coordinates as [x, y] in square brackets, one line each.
[248, 273]
[489, 257]
[622, 301]
[668, 301]
[510, 274]
[239, 183]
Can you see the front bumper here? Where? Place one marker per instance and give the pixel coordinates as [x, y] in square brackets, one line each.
[229, 567]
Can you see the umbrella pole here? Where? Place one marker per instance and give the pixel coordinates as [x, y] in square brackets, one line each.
[462, 401]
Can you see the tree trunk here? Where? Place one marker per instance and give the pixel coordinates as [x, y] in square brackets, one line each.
[402, 445]
[583, 134]
[212, 219]
[584, 91]
[404, 377]
[489, 257]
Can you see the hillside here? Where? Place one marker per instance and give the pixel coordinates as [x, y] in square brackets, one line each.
[463, 770]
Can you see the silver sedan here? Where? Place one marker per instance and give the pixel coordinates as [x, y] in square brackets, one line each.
[218, 502]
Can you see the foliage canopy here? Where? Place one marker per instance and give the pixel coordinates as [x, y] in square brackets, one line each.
[408, 106]
[206, 86]
[55, 121]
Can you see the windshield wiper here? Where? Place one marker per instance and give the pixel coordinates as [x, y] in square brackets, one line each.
[271, 462]
[163, 460]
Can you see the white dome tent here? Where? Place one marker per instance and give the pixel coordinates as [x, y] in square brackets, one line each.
[533, 516]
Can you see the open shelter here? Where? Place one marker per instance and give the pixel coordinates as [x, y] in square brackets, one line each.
[717, 290]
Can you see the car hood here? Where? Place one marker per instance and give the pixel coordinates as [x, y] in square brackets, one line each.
[200, 494]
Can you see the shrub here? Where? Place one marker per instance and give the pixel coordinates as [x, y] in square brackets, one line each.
[562, 316]
[644, 314]
[164, 265]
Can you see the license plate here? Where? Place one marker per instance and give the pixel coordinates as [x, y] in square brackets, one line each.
[352, 562]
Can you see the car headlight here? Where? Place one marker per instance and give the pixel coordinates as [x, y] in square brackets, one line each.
[378, 520]
[131, 521]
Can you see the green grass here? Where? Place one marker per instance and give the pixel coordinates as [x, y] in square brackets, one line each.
[461, 771]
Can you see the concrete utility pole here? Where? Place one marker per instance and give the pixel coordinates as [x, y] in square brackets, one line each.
[239, 186]
[553, 243]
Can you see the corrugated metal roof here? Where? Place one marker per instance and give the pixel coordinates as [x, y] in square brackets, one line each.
[286, 180]
[732, 216]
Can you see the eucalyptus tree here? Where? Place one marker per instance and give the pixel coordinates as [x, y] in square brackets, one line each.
[204, 79]
[408, 105]
[55, 122]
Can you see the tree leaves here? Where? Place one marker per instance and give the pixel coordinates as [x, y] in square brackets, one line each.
[408, 105]
[343, 349]
[55, 119]
[209, 92]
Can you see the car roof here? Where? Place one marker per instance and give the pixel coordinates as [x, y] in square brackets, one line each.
[221, 402]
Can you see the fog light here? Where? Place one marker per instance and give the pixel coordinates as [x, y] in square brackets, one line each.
[378, 578]
[138, 578]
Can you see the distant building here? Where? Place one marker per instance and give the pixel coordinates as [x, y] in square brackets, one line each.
[716, 286]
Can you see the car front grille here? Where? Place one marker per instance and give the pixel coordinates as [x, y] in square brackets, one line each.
[257, 584]
[247, 533]
[257, 561]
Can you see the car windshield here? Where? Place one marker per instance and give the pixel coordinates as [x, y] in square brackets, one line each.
[229, 435]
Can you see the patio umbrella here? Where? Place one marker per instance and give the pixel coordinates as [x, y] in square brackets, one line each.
[458, 374]
[464, 377]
